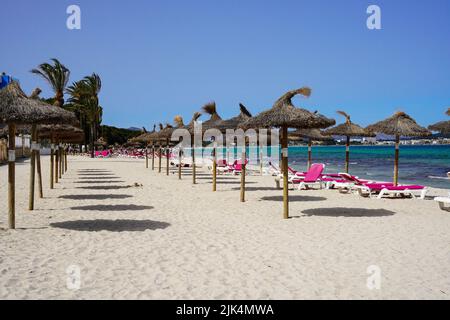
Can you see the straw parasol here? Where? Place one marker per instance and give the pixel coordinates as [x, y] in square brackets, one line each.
[214, 120]
[310, 135]
[191, 128]
[58, 134]
[399, 125]
[443, 127]
[285, 115]
[16, 108]
[347, 129]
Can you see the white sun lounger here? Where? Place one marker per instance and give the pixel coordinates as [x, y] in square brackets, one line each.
[444, 203]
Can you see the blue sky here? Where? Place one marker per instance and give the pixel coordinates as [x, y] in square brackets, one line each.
[158, 59]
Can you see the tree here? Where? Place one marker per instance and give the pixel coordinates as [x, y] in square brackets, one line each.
[57, 75]
[84, 102]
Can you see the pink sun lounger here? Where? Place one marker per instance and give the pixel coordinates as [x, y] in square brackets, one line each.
[389, 189]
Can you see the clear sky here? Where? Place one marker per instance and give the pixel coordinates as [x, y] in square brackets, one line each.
[161, 58]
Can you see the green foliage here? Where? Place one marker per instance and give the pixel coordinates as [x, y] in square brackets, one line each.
[114, 135]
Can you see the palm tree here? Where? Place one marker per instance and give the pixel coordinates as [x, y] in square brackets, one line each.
[85, 102]
[57, 75]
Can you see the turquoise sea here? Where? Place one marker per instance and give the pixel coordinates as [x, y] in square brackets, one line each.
[427, 165]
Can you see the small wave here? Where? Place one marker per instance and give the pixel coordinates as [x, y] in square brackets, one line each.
[442, 178]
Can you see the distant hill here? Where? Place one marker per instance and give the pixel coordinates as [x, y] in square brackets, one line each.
[115, 135]
[135, 129]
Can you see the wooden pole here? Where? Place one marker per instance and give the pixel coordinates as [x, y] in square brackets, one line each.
[261, 167]
[243, 160]
[153, 156]
[11, 175]
[167, 158]
[52, 160]
[60, 161]
[397, 152]
[146, 156]
[214, 168]
[56, 163]
[23, 145]
[309, 153]
[65, 157]
[160, 159]
[284, 159]
[32, 167]
[193, 165]
[179, 163]
[39, 173]
[347, 154]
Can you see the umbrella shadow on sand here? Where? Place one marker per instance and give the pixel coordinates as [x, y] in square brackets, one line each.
[348, 212]
[119, 207]
[111, 225]
[293, 198]
[94, 196]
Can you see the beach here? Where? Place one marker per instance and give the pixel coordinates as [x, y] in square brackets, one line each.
[134, 233]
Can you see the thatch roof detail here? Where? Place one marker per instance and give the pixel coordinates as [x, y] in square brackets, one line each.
[285, 114]
[234, 122]
[16, 107]
[313, 134]
[59, 132]
[443, 127]
[348, 129]
[399, 124]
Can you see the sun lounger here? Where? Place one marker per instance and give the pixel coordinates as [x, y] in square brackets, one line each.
[313, 177]
[444, 203]
[382, 190]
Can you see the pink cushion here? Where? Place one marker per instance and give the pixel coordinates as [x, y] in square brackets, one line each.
[314, 173]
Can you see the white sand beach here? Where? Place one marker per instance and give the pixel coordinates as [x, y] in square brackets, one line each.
[169, 239]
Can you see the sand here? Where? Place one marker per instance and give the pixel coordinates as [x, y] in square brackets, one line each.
[169, 239]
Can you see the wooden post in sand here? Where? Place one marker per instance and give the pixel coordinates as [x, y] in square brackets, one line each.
[167, 158]
[243, 160]
[214, 168]
[284, 164]
[153, 156]
[39, 173]
[11, 175]
[309, 154]
[56, 164]
[60, 161]
[32, 167]
[347, 154]
[179, 163]
[397, 151]
[193, 165]
[146, 156]
[52, 160]
[65, 159]
[159, 159]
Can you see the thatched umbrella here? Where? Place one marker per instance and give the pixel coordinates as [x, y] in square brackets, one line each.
[165, 135]
[17, 108]
[443, 127]
[347, 129]
[399, 125]
[214, 120]
[57, 133]
[234, 123]
[191, 128]
[285, 115]
[310, 135]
